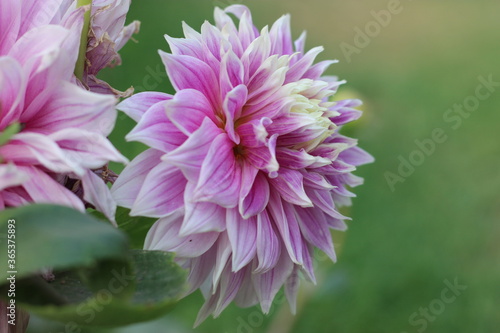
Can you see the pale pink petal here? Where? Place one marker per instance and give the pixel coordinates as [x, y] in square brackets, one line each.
[10, 21]
[36, 149]
[201, 216]
[188, 109]
[96, 192]
[268, 244]
[127, 186]
[164, 236]
[257, 198]
[314, 228]
[161, 193]
[190, 155]
[87, 149]
[233, 103]
[11, 176]
[156, 130]
[220, 174]
[44, 189]
[242, 235]
[187, 72]
[136, 105]
[268, 284]
[290, 186]
[71, 106]
[12, 85]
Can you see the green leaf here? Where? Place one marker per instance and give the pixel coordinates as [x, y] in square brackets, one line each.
[159, 283]
[136, 227]
[57, 237]
[9, 132]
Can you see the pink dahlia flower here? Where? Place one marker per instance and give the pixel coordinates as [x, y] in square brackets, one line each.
[53, 132]
[246, 166]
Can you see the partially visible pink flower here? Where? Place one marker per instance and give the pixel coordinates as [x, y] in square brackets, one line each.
[60, 128]
[107, 36]
[247, 166]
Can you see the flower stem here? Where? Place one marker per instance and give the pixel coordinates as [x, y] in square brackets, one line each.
[80, 63]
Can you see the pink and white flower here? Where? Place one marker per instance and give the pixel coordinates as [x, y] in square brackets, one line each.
[247, 166]
[53, 131]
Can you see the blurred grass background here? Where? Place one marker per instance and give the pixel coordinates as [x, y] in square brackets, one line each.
[440, 224]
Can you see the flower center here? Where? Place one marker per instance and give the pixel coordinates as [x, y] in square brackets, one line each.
[238, 151]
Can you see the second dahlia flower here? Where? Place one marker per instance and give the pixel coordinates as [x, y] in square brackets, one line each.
[53, 132]
[247, 166]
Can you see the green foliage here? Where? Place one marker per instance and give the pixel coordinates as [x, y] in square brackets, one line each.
[157, 281]
[136, 227]
[58, 237]
[97, 280]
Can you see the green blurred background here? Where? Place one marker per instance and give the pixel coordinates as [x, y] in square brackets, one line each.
[440, 224]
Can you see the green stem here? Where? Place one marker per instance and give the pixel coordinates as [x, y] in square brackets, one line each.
[80, 63]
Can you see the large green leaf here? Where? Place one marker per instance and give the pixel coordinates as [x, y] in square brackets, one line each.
[56, 237]
[159, 283]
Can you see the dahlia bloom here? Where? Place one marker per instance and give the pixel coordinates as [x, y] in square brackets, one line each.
[53, 132]
[246, 166]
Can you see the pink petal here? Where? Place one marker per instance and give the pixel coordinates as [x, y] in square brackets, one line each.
[298, 159]
[212, 37]
[222, 261]
[186, 72]
[44, 189]
[288, 227]
[268, 284]
[242, 235]
[220, 174]
[314, 228]
[232, 72]
[264, 157]
[298, 69]
[229, 285]
[36, 149]
[290, 186]
[356, 156]
[201, 216]
[257, 198]
[37, 13]
[10, 21]
[156, 130]
[292, 288]
[163, 236]
[162, 192]
[136, 105]
[281, 36]
[268, 244]
[187, 110]
[12, 86]
[11, 176]
[126, 188]
[88, 149]
[96, 192]
[191, 154]
[233, 103]
[72, 106]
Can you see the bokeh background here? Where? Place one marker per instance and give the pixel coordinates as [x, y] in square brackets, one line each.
[440, 224]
